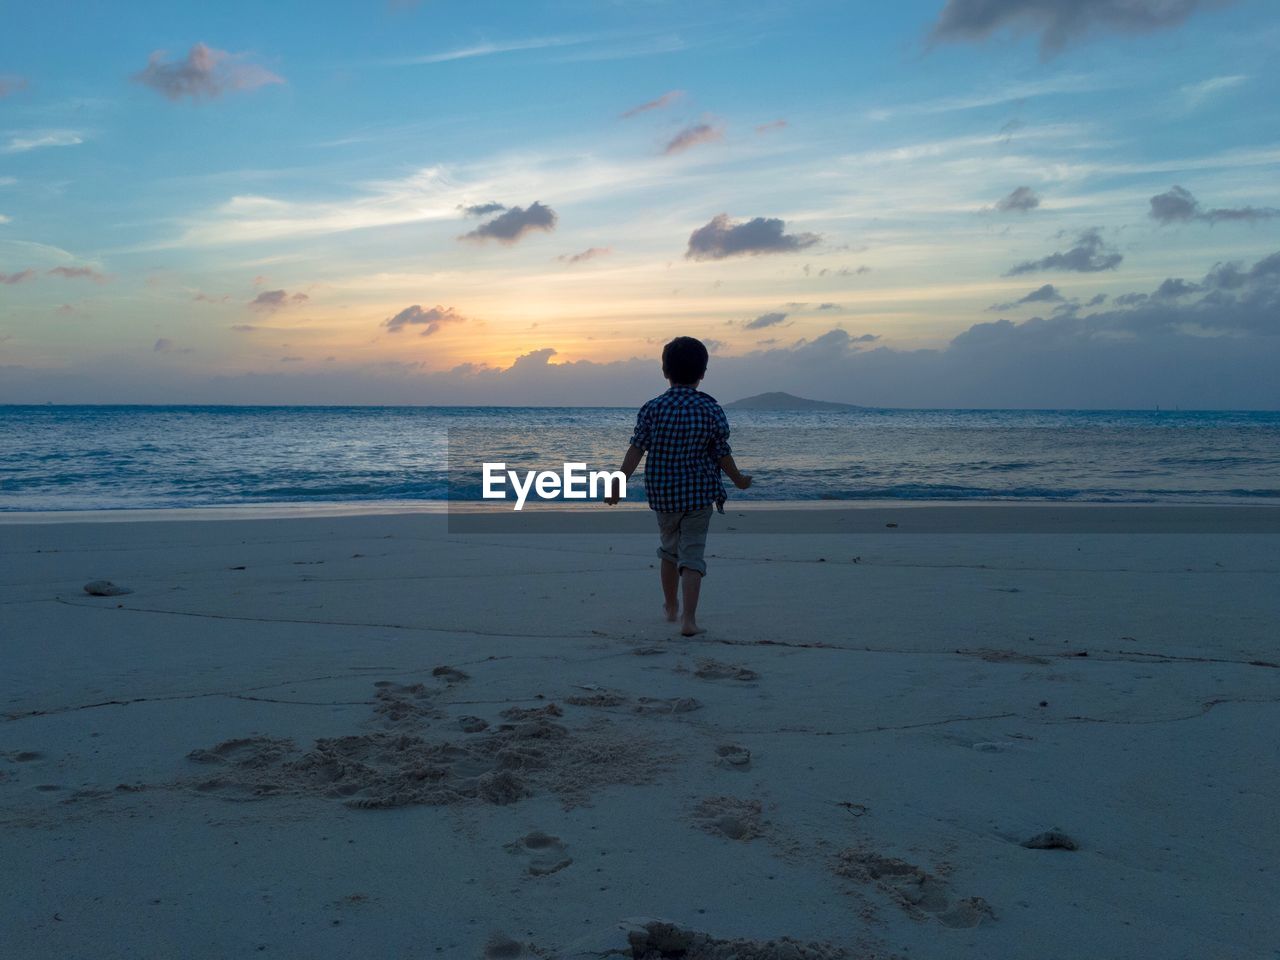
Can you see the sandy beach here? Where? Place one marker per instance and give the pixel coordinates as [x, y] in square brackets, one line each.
[380, 736]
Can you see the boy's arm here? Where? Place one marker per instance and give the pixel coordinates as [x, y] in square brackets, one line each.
[629, 463]
[723, 453]
[740, 480]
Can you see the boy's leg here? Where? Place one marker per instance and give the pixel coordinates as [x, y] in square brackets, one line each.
[670, 575]
[668, 553]
[691, 586]
[692, 566]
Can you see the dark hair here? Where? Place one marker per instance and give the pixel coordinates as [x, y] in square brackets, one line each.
[684, 360]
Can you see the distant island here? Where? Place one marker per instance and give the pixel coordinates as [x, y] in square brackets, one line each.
[787, 401]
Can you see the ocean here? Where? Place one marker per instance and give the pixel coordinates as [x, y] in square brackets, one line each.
[121, 457]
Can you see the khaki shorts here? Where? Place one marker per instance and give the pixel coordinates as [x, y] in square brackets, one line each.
[684, 538]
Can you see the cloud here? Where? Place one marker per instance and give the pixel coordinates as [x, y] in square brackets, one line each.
[691, 136]
[1020, 200]
[771, 125]
[514, 224]
[10, 84]
[430, 320]
[1059, 22]
[1089, 255]
[591, 253]
[488, 49]
[764, 320]
[39, 139]
[271, 300]
[78, 273]
[201, 297]
[482, 209]
[167, 346]
[722, 238]
[866, 338]
[244, 328]
[1177, 205]
[828, 306]
[1046, 294]
[1217, 348]
[1196, 94]
[204, 72]
[22, 276]
[668, 98]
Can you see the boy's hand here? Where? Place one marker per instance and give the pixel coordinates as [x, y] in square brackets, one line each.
[742, 481]
[612, 497]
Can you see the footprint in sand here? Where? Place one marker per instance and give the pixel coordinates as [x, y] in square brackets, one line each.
[729, 817]
[450, 675]
[917, 892]
[715, 670]
[733, 757]
[403, 704]
[502, 947]
[546, 854]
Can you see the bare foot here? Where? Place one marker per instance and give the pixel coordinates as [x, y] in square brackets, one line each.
[671, 613]
[690, 629]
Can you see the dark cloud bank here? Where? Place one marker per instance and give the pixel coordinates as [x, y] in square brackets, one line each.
[1059, 22]
[1209, 343]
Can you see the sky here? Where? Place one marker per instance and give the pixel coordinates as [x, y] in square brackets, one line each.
[930, 203]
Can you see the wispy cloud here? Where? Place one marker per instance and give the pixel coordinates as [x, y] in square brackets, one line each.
[10, 84]
[591, 253]
[997, 96]
[204, 72]
[21, 276]
[1021, 200]
[668, 98]
[38, 139]
[1089, 255]
[1197, 94]
[482, 209]
[78, 273]
[430, 320]
[270, 301]
[763, 321]
[490, 49]
[691, 136]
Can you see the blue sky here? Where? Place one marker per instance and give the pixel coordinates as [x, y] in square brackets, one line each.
[243, 221]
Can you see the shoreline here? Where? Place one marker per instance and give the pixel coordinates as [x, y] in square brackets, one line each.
[762, 517]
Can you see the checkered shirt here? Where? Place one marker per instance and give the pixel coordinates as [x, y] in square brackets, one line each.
[685, 433]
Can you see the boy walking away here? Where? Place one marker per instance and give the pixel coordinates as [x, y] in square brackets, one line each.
[686, 436]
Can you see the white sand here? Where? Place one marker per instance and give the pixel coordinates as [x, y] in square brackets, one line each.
[852, 755]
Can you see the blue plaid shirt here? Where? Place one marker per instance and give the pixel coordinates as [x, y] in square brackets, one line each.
[685, 433]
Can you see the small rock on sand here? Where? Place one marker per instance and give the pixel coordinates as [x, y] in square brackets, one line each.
[1051, 840]
[105, 588]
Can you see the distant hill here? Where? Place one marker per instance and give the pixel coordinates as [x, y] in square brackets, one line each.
[787, 401]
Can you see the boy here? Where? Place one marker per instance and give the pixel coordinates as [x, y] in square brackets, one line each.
[686, 436]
